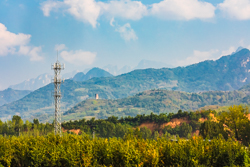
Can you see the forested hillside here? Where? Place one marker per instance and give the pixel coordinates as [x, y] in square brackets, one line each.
[156, 101]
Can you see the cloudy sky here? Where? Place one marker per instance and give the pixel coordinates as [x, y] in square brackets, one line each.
[90, 33]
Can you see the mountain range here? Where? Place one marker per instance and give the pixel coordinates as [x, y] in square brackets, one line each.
[225, 74]
[9, 95]
[109, 70]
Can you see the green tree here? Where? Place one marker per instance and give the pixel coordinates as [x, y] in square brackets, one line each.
[234, 119]
[156, 135]
[185, 129]
[146, 133]
[212, 130]
[17, 123]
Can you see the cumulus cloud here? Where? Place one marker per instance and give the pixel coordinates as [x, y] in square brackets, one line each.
[48, 6]
[11, 43]
[126, 32]
[127, 9]
[199, 56]
[60, 47]
[228, 52]
[90, 10]
[239, 10]
[183, 9]
[32, 52]
[78, 57]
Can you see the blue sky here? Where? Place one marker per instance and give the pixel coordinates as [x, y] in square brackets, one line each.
[91, 33]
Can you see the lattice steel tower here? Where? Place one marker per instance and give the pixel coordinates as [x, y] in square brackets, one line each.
[57, 67]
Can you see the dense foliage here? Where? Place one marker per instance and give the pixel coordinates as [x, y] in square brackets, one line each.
[110, 127]
[72, 150]
[233, 124]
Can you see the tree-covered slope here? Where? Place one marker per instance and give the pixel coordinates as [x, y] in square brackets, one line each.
[228, 73]
[156, 101]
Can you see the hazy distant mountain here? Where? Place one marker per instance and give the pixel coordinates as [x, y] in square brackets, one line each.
[94, 72]
[70, 74]
[227, 73]
[112, 69]
[40, 81]
[9, 95]
[143, 64]
[34, 83]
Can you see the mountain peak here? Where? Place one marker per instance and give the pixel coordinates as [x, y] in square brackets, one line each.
[94, 72]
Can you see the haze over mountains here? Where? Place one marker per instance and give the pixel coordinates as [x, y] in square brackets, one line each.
[40, 81]
[44, 79]
[9, 95]
[143, 64]
[225, 74]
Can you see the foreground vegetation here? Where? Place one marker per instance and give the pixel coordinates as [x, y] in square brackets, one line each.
[223, 141]
[207, 123]
[73, 150]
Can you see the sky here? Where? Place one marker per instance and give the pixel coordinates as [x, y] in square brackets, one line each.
[91, 33]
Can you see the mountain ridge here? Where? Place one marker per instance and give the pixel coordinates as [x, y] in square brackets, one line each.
[227, 73]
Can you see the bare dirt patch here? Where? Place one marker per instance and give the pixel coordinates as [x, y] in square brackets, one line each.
[149, 125]
[201, 120]
[76, 131]
[175, 122]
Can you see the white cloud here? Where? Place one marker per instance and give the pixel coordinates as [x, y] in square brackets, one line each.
[48, 6]
[84, 10]
[235, 9]
[228, 52]
[199, 56]
[60, 47]
[126, 32]
[112, 22]
[32, 52]
[127, 9]
[89, 10]
[183, 9]
[78, 57]
[11, 42]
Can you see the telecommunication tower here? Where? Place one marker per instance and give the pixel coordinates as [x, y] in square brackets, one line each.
[57, 67]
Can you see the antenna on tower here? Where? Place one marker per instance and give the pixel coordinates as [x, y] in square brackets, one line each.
[57, 67]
